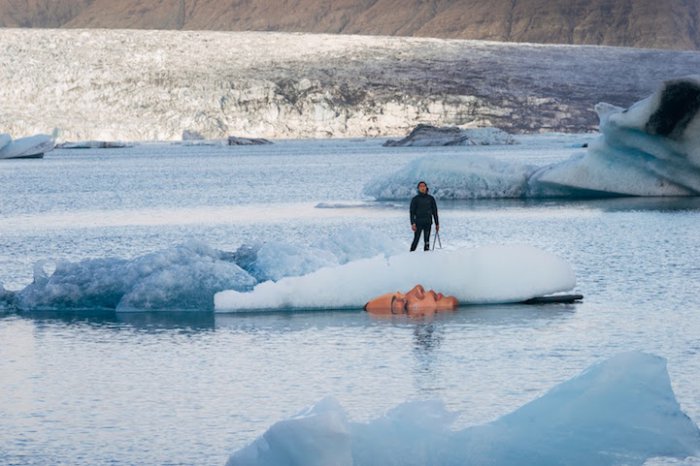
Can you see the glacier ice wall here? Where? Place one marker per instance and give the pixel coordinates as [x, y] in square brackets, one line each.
[649, 149]
[621, 411]
[128, 85]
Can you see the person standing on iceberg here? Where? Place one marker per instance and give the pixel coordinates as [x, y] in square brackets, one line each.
[423, 210]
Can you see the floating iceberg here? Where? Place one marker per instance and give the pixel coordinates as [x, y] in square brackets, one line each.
[650, 149]
[238, 141]
[93, 145]
[427, 135]
[489, 274]
[31, 147]
[184, 277]
[620, 411]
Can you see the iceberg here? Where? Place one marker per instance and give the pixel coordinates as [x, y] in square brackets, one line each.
[651, 148]
[6, 298]
[427, 135]
[621, 411]
[94, 144]
[239, 141]
[29, 147]
[484, 275]
[454, 177]
[184, 277]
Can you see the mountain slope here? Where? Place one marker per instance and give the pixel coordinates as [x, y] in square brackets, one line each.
[672, 24]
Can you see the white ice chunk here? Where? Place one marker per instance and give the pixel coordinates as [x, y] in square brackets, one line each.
[489, 274]
[454, 177]
[275, 260]
[619, 412]
[317, 436]
[31, 146]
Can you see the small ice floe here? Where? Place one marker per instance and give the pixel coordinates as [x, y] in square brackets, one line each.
[621, 411]
[236, 141]
[31, 147]
[427, 135]
[191, 135]
[195, 138]
[93, 145]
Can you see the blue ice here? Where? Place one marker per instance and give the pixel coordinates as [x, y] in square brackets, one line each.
[619, 411]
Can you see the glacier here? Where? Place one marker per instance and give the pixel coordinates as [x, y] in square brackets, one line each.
[619, 411]
[484, 275]
[651, 148]
[136, 85]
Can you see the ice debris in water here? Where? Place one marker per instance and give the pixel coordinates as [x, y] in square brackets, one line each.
[650, 149]
[621, 411]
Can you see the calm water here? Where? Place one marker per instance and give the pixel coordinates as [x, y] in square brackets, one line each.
[190, 388]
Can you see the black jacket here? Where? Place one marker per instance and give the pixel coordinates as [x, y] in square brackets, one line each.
[423, 210]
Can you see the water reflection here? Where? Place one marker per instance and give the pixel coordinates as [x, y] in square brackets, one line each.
[142, 321]
[427, 330]
[427, 338]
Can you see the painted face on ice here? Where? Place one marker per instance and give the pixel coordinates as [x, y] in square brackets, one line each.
[416, 302]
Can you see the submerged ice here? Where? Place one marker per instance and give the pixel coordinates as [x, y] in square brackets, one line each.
[649, 149]
[489, 274]
[620, 411]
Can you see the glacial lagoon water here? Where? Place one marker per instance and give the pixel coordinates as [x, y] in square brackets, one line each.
[169, 387]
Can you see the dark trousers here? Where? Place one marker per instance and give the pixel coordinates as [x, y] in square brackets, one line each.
[425, 229]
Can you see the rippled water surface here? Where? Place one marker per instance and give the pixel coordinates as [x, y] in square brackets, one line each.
[98, 387]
